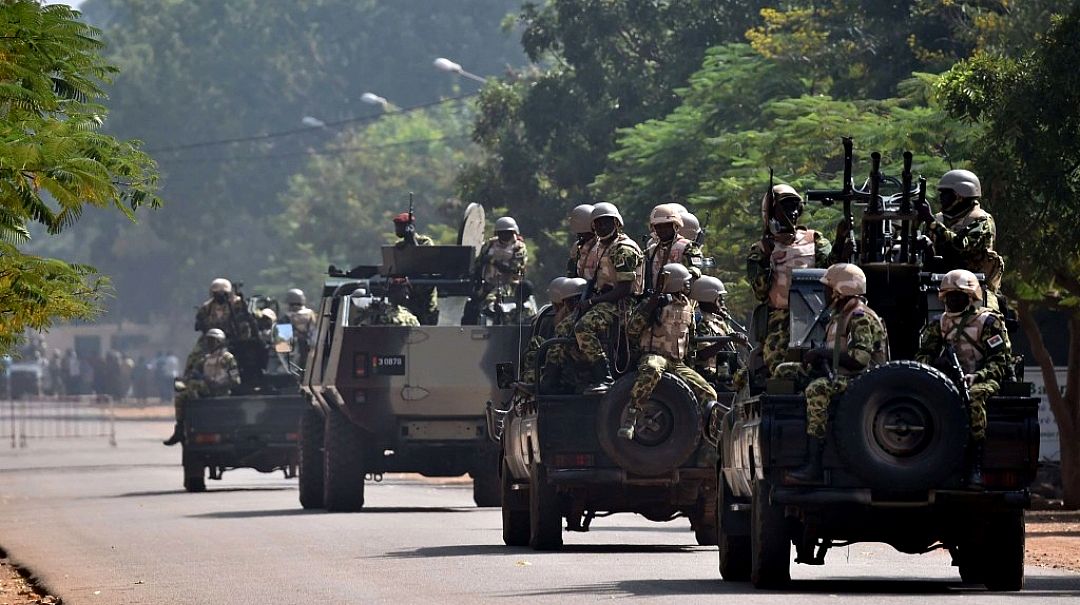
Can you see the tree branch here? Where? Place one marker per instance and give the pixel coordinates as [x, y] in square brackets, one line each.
[1046, 366]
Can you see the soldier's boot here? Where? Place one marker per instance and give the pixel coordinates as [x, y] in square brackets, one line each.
[177, 436]
[974, 467]
[600, 380]
[626, 431]
[811, 472]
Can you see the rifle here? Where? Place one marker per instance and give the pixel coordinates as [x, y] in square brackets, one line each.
[410, 229]
[586, 294]
[663, 299]
[905, 208]
[846, 195]
[949, 363]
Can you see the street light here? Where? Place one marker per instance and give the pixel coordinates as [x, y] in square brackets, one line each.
[312, 122]
[445, 64]
[373, 99]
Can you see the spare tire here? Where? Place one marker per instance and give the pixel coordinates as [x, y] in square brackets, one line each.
[901, 426]
[665, 441]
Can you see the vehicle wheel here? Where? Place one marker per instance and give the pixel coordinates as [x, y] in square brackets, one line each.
[515, 519]
[194, 478]
[545, 516]
[734, 550]
[770, 546]
[486, 489]
[705, 534]
[660, 445]
[901, 426]
[343, 460]
[1003, 552]
[312, 435]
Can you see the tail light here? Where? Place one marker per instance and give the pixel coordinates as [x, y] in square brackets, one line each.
[360, 365]
[573, 460]
[206, 438]
[1001, 479]
[292, 436]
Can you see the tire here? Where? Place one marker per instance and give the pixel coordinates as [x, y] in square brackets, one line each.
[487, 491]
[343, 460]
[515, 520]
[901, 426]
[545, 515]
[194, 478]
[311, 458]
[1003, 552]
[655, 451]
[705, 534]
[735, 553]
[770, 546]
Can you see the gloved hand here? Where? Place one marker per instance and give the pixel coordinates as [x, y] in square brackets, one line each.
[969, 379]
[926, 215]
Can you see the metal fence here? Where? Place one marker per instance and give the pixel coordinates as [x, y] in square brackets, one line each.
[25, 420]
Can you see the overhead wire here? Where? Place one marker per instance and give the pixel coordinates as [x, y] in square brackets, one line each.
[309, 152]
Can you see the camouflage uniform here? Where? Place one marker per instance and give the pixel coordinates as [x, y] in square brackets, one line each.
[543, 329]
[381, 313]
[608, 263]
[770, 277]
[423, 300]
[711, 324]
[502, 280]
[220, 372]
[579, 251]
[866, 341]
[678, 250]
[572, 371]
[983, 348]
[664, 346]
[231, 317]
[967, 242]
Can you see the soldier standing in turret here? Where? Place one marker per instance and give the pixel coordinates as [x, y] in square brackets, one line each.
[424, 300]
[978, 336]
[394, 311]
[785, 245]
[224, 311]
[303, 323]
[499, 269]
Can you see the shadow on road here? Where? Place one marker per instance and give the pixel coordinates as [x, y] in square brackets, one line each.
[291, 512]
[472, 550]
[171, 492]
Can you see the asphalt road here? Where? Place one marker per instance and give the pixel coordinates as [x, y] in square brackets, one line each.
[103, 525]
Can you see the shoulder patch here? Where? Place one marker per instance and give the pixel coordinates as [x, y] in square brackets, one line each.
[995, 341]
[695, 260]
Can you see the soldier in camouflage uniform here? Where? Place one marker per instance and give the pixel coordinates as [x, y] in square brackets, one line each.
[668, 246]
[963, 233]
[664, 333]
[581, 226]
[563, 369]
[224, 311]
[981, 342]
[691, 228]
[616, 269]
[855, 341]
[424, 300]
[499, 269]
[394, 311]
[211, 371]
[712, 319]
[303, 323]
[785, 246]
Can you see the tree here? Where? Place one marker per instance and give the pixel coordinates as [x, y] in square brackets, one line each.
[54, 161]
[1029, 157]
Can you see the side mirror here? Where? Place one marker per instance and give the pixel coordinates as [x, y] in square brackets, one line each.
[504, 374]
[283, 335]
[179, 386]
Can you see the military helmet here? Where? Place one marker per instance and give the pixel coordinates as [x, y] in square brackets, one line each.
[220, 285]
[573, 287]
[506, 223]
[215, 334]
[555, 289]
[605, 209]
[666, 213]
[691, 227]
[963, 281]
[295, 296]
[678, 277]
[780, 192]
[679, 207]
[845, 279]
[963, 182]
[707, 288]
[581, 218]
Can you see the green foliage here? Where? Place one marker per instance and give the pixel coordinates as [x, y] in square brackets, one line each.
[54, 161]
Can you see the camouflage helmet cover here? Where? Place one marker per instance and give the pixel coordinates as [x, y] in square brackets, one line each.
[581, 218]
[221, 285]
[963, 281]
[679, 207]
[666, 213]
[963, 182]
[506, 223]
[295, 296]
[604, 209]
[780, 192]
[845, 279]
[678, 278]
[691, 226]
[215, 334]
[707, 288]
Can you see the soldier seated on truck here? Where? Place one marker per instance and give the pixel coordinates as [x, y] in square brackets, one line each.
[855, 341]
[664, 325]
[394, 310]
[563, 370]
[211, 372]
[712, 319]
[980, 342]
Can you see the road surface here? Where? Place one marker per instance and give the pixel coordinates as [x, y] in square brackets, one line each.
[104, 525]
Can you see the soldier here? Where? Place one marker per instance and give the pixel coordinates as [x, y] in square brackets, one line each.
[784, 246]
[712, 319]
[691, 228]
[981, 343]
[855, 341]
[615, 266]
[211, 372]
[664, 324]
[224, 311]
[303, 320]
[563, 370]
[394, 311]
[424, 300]
[963, 233]
[669, 247]
[581, 227]
[499, 268]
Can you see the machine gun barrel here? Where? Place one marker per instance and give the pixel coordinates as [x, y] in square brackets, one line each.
[905, 208]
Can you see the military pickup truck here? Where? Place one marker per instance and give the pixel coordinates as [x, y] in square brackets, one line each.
[561, 457]
[896, 445]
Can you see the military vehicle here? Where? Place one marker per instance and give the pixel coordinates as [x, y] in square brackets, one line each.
[897, 440]
[255, 426]
[401, 399]
[561, 456]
